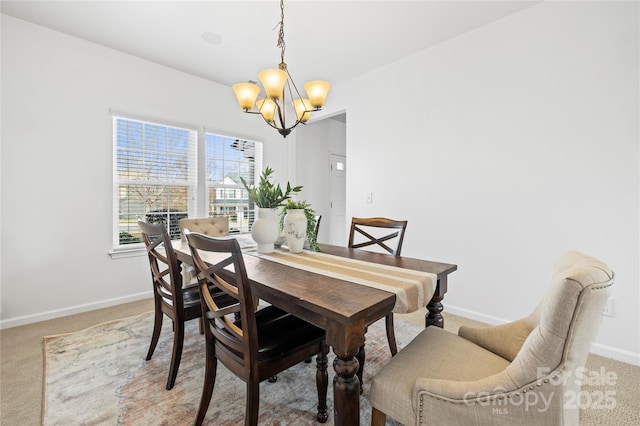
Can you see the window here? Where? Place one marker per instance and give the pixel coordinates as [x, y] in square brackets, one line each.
[154, 176]
[226, 160]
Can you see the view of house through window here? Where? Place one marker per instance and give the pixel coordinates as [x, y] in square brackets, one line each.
[156, 177]
[226, 160]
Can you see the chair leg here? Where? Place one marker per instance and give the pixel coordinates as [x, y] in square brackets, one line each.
[176, 355]
[391, 334]
[200, 325]
[378, 418]
[157, 328]
[253, 402]
[210, 369]
[322, 383]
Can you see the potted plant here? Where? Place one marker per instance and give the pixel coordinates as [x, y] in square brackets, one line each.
[306, 231]
[267, 197]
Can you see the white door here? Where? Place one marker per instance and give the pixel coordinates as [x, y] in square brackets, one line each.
[338, 198]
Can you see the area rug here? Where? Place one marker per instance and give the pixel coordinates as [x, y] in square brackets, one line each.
[100, 376]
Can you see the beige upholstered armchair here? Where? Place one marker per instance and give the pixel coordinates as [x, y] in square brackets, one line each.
[526, 372]
[212, 226]
[217, 226]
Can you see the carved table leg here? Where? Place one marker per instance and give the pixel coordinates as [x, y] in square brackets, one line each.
[322, 382]
[346, 391]
[434, 308]
[360, 357]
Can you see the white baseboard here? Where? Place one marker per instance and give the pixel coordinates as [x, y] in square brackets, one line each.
[57, 313]
[473, 315]
[616, 353]
[596, 348]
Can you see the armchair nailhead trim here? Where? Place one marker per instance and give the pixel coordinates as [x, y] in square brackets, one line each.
[491, 398]
[605, 285]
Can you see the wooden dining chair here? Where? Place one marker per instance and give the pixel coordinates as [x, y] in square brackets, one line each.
[318, 218]
[362, 234]
[374, 231]
[170, 298]
[261, 343]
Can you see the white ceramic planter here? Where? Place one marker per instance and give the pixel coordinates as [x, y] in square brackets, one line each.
[265, 229]
[295, 229]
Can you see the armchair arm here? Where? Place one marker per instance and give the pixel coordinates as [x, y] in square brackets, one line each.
[504, 340]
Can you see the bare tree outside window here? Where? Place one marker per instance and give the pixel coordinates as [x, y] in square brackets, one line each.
[155, 172]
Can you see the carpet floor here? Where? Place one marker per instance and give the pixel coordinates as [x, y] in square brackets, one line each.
[100, 376]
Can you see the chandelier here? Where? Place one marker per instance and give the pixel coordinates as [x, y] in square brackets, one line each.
[277, 82]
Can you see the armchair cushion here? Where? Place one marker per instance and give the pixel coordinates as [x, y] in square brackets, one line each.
[431, 354]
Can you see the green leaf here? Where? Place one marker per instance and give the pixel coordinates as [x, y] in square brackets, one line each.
[266, 194]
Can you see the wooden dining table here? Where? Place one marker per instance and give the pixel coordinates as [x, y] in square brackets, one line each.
[340, 307]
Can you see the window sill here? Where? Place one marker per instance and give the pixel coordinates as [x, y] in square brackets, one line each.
[123, 253]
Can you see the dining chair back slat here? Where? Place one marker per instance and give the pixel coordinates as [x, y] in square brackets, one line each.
[361, 233]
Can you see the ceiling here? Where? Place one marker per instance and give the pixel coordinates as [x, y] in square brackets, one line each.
[329, 40]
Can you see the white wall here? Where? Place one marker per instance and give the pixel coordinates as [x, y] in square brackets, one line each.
[57, 92]
[503, 148]
[315, 143]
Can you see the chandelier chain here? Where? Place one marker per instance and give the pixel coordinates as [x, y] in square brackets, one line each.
[281, 43]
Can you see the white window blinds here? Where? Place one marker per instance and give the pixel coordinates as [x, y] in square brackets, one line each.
[155, 174]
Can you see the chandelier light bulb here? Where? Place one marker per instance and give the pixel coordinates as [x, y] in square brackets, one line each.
[247, 94]
[317, 91]
[303, 109]
[267, 108]
[273, 81]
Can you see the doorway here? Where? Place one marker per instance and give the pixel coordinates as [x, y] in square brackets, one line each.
[338, 198]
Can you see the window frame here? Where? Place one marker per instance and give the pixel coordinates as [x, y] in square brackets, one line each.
[189, 181]
[198, 190]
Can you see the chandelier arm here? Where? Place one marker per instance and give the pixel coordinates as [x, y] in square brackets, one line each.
[271, 123]
[281, 113]
[290, 82]
[282, 118]
[284, 131]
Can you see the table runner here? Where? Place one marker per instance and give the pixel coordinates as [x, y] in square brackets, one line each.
[413, 289]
